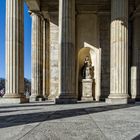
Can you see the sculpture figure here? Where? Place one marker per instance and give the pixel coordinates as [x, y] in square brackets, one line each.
[86, 69]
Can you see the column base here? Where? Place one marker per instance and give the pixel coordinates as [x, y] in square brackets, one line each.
[119, 101]
[35, 99]
[13, 100]
[87, 98]
[51, 97]
[45, 98]
[64, 100]
[136, 98]
[97, 98]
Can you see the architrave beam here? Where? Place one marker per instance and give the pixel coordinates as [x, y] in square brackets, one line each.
[33, 5]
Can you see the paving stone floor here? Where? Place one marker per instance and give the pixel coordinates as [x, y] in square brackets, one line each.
[81, 121]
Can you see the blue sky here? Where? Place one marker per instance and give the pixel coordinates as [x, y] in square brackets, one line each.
[27, 41]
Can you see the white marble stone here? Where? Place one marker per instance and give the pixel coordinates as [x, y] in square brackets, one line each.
[119, 51]
[14, 52]
[87, 90]
[134, 82]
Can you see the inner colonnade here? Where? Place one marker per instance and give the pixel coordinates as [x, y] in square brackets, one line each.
[64, 33]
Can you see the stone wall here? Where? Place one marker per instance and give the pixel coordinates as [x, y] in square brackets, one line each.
[54, 53]
[87, 41]
[96, 33]
[104, 27]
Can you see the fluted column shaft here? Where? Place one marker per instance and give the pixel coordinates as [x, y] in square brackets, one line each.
[37, 56]
[119, 49]
[46, 43]
[67, 48]
[14, 49]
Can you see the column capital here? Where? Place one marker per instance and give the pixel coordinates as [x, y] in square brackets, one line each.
[37, 13]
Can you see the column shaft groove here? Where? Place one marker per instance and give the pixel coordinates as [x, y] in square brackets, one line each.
[14, 49]
[37, 56]
[67, 49]
[119, 49]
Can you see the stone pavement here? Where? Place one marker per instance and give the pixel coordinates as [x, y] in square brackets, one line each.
[81, 121]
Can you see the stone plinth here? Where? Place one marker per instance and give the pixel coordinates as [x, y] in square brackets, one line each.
[65, 100]
[87, 89]
[116, 101]
[119, 100]
[13, 100]
[134, 82]
[36, 98]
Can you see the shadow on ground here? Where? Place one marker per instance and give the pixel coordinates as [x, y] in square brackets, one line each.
[36, 104]
[137, 137]
[8, 111]
[22, 119]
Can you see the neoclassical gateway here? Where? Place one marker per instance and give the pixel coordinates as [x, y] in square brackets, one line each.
[81, 50]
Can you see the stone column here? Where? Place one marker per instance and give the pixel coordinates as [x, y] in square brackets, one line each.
[67, 52]
[14, 92]
[54, 57]
[46, 32]
[37, 57]
[135, 69]
[119, 52]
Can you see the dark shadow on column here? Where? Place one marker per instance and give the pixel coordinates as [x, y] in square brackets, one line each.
[137, 137]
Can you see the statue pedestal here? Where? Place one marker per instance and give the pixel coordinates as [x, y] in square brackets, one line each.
[87, 90]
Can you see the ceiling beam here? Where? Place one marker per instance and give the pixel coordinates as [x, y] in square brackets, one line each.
[33, 5]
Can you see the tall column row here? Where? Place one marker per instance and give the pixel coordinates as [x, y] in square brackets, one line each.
[15, 54]
[40, 53]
